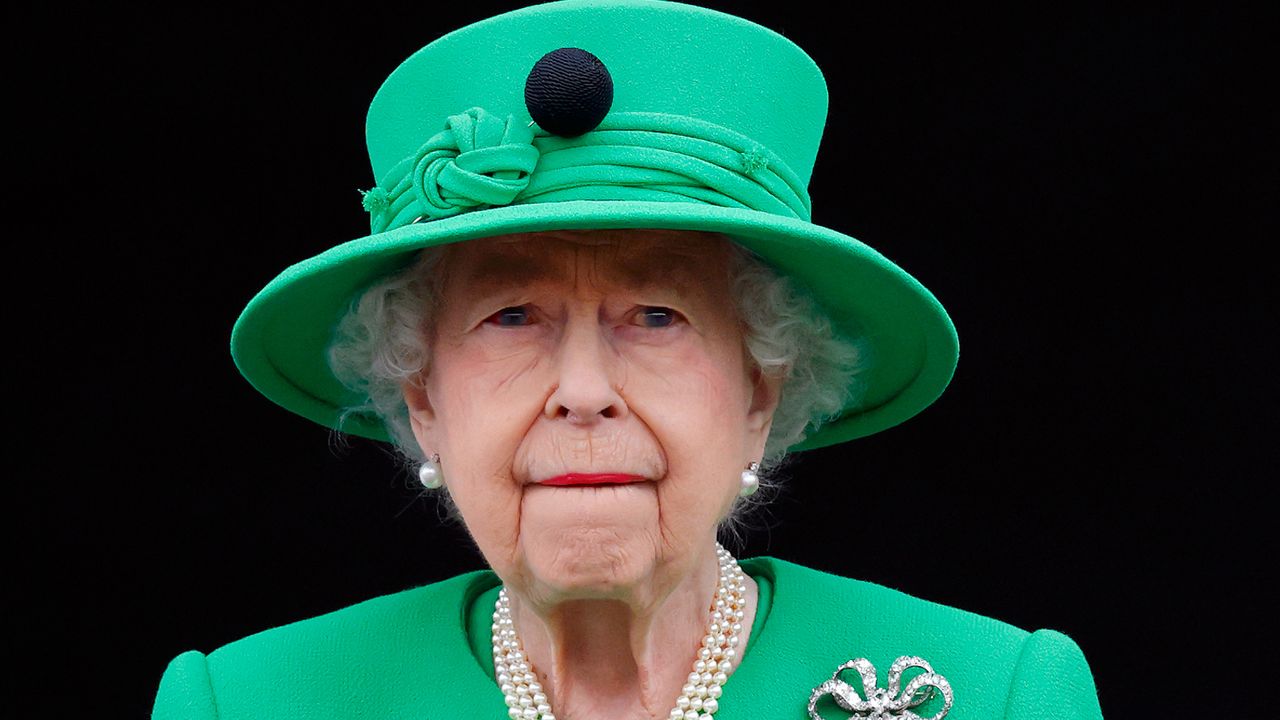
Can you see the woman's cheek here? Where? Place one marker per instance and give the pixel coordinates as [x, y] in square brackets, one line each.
[691, 402]
[489, 502]
[492, 367]
[686, 375]
[692, 395]
[484, 386]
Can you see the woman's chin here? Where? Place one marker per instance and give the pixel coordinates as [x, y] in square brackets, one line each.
[590, 541]
[586, 578]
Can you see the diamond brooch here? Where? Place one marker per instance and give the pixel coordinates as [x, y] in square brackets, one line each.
[892, 703]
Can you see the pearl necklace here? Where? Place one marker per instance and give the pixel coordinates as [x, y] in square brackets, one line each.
[699, 698]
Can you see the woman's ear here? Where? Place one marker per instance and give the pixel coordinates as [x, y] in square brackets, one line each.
[766, 392]
[422, 416]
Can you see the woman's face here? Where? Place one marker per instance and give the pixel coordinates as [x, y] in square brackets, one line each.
[586, 352]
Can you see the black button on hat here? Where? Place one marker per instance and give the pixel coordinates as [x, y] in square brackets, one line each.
[568, 92]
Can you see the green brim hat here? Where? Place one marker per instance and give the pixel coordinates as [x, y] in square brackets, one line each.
[601, 114]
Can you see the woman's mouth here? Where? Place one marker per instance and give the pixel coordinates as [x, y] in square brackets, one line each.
[592, 479]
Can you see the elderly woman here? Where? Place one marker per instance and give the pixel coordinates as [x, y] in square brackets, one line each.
[594, 317]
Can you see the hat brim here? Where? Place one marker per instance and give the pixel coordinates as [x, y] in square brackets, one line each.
[280, 340]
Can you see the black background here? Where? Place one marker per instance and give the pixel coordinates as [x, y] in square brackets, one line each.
[1088, 192]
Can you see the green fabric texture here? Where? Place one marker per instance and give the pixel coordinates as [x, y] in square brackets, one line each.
[714, 126]
[410, 655]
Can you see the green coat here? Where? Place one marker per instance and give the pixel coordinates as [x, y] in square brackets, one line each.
[425, 653]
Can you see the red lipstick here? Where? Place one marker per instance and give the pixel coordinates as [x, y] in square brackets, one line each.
[592, 479]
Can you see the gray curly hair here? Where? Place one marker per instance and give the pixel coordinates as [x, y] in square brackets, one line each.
[382, 341]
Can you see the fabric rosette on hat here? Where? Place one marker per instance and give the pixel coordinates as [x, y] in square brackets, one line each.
[602, 114]
[478, 160]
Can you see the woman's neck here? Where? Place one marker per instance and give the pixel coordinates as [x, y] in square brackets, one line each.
[628, 657]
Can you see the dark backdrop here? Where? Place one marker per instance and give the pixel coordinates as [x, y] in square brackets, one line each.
[1087, 191]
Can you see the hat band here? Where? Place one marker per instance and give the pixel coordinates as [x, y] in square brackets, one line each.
[481, 160]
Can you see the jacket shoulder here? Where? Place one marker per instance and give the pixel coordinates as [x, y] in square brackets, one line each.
[370, 653]
[1052, 680]
[997, 670]
[867, 603]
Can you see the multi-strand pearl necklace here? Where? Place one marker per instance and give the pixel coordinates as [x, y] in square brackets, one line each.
[699, 698]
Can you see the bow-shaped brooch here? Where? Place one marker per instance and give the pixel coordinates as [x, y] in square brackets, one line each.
[876, 703]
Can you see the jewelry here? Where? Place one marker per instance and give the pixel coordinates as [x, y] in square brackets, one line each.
[750, 480]
[885, 704]
[699, 698]
[429, 473]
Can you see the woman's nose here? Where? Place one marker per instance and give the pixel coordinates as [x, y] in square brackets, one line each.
[587, 375]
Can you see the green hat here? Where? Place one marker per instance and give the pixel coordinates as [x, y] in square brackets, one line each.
[649, 114]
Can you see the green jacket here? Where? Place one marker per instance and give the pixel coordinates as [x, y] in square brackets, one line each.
[425, 653]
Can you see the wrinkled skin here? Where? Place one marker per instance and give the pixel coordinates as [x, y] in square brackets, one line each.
[595, 351]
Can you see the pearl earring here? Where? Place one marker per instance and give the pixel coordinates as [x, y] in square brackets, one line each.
[750, 480]
[429, 473]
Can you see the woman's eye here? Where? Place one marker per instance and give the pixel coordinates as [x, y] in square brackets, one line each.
[514, 316]
[657, 317]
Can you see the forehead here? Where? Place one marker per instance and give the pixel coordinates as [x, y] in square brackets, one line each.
[630, 257]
